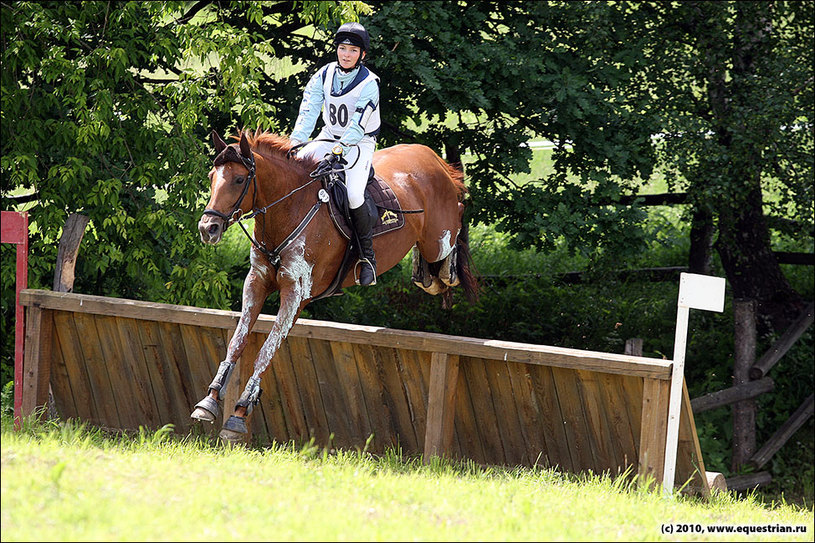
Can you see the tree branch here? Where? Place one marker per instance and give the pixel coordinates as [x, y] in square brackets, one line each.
[193, 12]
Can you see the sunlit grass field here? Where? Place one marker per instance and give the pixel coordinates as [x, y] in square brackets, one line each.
[66, 482]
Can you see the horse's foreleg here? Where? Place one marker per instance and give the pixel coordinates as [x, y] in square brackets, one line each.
[255, 290]
[295, 291]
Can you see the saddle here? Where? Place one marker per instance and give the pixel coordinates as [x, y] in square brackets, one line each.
[390, 216]
[389, 211]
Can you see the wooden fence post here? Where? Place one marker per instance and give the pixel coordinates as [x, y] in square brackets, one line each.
[744, 412]
[633, 346]
[37, 365]
[441, 405]
[654, 428]
[14, 229]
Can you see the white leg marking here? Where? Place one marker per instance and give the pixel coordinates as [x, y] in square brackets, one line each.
[445, 245]
[299, 271]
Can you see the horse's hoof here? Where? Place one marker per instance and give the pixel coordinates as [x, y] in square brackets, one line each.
[234, 430]
[206, 410]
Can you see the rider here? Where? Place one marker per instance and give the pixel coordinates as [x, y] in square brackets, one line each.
[348, 94]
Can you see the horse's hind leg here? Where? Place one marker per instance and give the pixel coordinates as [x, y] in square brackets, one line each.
[447, 272]
[423, 277]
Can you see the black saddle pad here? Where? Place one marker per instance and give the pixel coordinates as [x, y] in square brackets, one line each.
[387, 205]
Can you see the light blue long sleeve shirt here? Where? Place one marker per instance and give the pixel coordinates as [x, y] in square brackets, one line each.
[314, 98]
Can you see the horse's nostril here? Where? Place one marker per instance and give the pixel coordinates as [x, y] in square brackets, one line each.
[213, 229]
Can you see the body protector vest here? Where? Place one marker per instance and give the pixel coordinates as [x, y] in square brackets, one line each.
[340, 107]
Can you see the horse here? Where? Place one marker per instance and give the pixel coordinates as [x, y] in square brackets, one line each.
[262, 172]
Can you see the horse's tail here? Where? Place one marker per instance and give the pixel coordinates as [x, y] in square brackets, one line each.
[464, 265]
[464, 262]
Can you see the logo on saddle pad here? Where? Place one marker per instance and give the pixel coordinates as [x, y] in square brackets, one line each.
[385, 200]
[388, 217]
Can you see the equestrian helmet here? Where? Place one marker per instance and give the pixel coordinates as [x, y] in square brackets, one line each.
[353, 34]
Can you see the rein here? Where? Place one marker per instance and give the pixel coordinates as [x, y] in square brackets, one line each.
[237, 215]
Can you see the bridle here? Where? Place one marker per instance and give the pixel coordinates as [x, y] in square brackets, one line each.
[248, 163]
[237, 213]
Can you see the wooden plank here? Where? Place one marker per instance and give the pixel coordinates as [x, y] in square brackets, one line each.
[467, 428]
[484, 411]
[506, 411]
[619, 418]
[173, 402]
[655, 398]
[529, 413]
[604, 444]
[690, 467]
[191, 385]
[268, 417]
[74, 365]
[554, 420]
[377, 408]
[60, 382]
[421, 341]
[780, 347]
[441, 405]
[409, 363]
[727, 396]
[395, 397]
[631, 394]
[290, 394]
[578, 434]
[37, 361]
[148, 358]
[333, 398]
[784, 433]
[101, 366]
[199, 367]
[425, 365]
[134, 356]
[309, 387]
[354, 409]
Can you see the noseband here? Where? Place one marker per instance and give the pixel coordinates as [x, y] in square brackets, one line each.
[231, 155]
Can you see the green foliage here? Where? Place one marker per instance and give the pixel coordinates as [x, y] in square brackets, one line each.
[106, 111]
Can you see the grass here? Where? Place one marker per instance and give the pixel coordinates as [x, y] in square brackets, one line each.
[68, 482]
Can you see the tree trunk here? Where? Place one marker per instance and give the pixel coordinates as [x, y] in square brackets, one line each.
[750, 265]
[744, 237]
[701, 242]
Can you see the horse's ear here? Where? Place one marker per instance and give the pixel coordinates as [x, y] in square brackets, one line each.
[246, 151]
[220, 144]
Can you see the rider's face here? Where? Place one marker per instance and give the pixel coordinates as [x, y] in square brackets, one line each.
[347, 55]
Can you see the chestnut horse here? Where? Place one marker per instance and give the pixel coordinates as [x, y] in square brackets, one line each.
[262, 175]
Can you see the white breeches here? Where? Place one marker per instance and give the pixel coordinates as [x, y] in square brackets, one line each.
[359, 157]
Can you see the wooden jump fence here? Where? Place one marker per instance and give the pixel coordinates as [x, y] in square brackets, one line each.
[123, 364]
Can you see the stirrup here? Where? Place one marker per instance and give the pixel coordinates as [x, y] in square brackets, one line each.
[364, 261]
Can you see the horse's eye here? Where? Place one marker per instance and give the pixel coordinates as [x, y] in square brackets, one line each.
[239, 180]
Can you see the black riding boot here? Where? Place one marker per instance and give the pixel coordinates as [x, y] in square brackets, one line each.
[364, 219]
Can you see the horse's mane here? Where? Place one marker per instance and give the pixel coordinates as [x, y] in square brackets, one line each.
[276, 146]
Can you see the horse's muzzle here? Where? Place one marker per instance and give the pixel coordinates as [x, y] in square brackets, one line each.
[211, 229]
